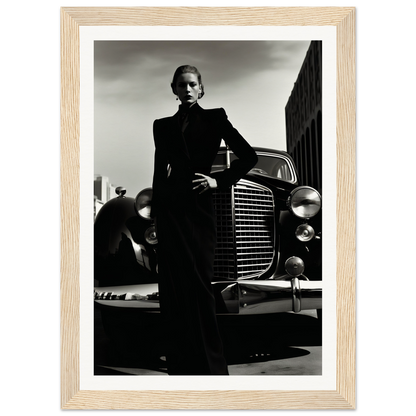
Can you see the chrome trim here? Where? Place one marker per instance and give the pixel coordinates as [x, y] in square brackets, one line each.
[271, 296]
[305, 233]
[120, 191]
[288, 161]
[296, 295]
[290, 197]
[245, 221]
[295, 263]
[243, 297]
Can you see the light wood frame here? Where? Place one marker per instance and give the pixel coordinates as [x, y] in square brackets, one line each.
[343, 18]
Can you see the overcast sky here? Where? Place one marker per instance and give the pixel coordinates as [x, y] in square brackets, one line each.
[251, 80]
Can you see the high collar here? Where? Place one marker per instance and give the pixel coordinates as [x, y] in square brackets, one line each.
[188, 109]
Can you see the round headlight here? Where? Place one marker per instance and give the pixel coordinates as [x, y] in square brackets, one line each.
[294, 266]
[143, 203]
[305, 233]
[304, 202]
[150, 235]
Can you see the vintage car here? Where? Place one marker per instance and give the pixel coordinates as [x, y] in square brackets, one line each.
[267, 261]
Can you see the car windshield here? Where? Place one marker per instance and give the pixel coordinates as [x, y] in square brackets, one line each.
[269, 164]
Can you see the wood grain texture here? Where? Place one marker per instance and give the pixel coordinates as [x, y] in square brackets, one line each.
[70, 153]
[238, 16]
[212, 400]
[346, 208]
[71, 395]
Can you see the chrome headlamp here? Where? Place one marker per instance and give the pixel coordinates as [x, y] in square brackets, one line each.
[305, 233]
[304, 202]
[294, 266]
[150, 235]
[143, 202]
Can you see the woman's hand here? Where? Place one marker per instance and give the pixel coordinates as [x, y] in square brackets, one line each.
[204, 183]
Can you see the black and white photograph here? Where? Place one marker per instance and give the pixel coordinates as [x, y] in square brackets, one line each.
[207, 207]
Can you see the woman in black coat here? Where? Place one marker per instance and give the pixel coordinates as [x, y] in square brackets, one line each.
[186, 145]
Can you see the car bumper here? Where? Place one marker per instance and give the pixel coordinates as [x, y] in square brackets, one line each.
[243, 297]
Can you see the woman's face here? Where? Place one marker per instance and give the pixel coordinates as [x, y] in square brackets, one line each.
[187, 88]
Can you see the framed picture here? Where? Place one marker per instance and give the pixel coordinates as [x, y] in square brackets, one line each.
[287, 79]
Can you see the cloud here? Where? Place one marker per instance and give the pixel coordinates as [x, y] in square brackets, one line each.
[129, 66]
[252, 80]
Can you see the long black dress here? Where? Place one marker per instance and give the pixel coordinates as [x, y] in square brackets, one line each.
[185, 222]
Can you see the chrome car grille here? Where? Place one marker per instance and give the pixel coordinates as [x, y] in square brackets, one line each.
[245, 231]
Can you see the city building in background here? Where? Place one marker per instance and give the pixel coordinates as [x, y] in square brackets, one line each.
[303, 113]
[103, 192]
